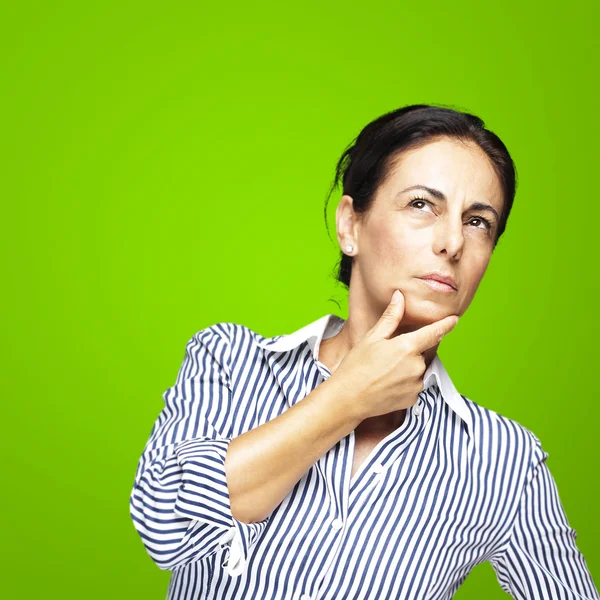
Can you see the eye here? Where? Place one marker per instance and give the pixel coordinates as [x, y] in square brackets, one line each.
[418, 199]
[488, 224]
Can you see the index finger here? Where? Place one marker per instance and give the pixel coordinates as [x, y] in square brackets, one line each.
[429, 335]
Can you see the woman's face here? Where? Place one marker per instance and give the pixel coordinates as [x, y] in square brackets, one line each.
[410, 232]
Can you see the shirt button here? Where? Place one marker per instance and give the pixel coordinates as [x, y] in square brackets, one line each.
[416, 410]
[305, 597]
[337, 524]
[377, 468]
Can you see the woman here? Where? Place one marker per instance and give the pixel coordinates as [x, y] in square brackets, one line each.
[340, 462]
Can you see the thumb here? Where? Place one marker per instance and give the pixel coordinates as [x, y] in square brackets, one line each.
[391, 317]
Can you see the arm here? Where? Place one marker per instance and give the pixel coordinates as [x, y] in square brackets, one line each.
[191, 472]
[540, 559]
[265, 463]
[179, 502]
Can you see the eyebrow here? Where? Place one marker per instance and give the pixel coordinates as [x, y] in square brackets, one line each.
[440, 196]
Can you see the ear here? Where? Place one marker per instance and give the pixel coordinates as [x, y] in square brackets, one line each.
[346, 224]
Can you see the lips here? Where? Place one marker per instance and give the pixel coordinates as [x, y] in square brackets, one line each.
[446, 279]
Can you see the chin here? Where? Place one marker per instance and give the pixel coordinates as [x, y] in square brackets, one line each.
[425, 311]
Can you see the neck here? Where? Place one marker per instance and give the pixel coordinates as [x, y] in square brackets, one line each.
[331, 353]
[332, 350]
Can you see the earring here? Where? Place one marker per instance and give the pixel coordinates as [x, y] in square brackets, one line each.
[348, 248]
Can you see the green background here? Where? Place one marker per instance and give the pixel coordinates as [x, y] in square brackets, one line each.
[165, 168]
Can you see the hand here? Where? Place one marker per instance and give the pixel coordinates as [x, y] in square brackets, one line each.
[383, 375]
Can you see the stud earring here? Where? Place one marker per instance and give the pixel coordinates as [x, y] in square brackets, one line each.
[348, 248]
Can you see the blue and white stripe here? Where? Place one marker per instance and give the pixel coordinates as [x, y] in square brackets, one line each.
[455, 485]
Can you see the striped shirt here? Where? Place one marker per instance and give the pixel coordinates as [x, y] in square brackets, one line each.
[456, 484]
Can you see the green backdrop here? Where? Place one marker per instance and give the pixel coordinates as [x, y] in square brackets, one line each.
[165, 168]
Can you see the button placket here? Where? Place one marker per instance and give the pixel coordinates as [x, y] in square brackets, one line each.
[323, 370]
[377, 468]
[336, 523]
[371, 489]
[378, 472]
[366, 468]
[417, 409]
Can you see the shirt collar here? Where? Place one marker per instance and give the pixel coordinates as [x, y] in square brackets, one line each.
[330, 324]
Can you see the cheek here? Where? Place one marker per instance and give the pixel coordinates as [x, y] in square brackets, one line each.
[394, 245]
[476, 271]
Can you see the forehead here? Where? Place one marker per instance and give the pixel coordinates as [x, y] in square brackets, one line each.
[461, 170]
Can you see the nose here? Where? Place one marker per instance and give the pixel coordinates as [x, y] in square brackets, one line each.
[449, 237]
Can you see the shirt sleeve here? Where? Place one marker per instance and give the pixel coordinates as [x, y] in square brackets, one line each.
[179, 503]
[540, 559]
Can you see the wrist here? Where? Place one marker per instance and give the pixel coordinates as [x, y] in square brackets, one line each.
[344, 402]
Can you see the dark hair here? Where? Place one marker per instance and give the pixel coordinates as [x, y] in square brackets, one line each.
[366, 162]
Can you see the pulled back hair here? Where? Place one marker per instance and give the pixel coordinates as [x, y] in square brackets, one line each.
[367, 161]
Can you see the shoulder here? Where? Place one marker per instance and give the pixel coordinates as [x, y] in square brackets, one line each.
[215, 338]
[233, 334]
[503, 435]
[230, 339]
[225, 332]
[211, 351]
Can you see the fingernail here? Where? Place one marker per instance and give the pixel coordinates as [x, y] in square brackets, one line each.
[396, 297]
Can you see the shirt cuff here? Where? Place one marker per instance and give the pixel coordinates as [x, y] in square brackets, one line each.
[204, 496]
